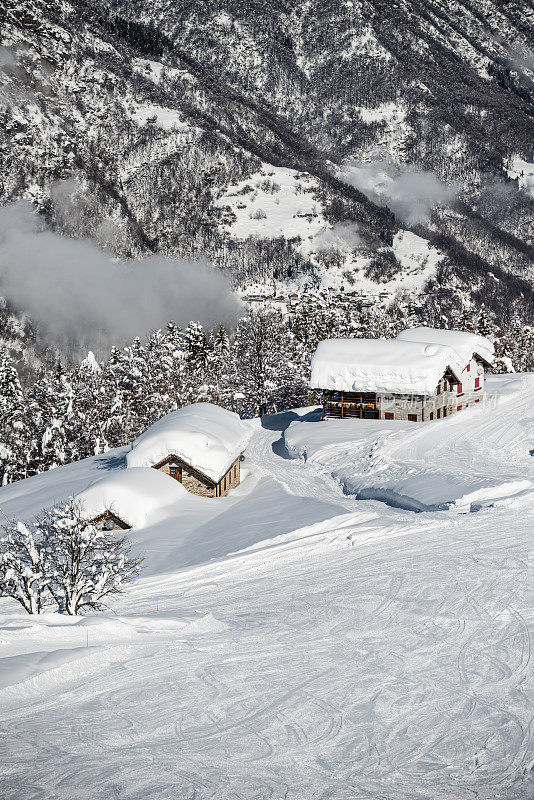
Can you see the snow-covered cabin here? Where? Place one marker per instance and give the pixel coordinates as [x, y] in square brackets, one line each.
[200, 446]
[423, 374]
[126, 498]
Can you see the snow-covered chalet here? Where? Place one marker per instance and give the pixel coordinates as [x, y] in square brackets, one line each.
[424, 374]
[125, 498]
[200, 446]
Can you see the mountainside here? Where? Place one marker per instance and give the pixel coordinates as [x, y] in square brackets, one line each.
[250, 131]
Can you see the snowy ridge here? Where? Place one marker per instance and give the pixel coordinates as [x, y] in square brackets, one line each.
[205, 436]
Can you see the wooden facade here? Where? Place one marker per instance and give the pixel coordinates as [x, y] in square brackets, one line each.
[450, 396]
[196, 481]
[108, 521]
[342, 405]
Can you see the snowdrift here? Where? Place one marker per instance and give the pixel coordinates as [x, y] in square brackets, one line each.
[132, 494]
[379, 365]
[467, 462]
[462, 342]
[205, 436]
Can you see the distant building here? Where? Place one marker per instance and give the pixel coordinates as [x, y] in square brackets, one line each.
[424, 374]
[201, 446]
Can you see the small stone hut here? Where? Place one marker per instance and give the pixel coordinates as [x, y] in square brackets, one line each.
[201, 446]
[126, 498]
[424, 374]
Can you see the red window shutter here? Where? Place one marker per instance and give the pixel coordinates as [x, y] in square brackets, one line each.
[477, 383]
[458, 408]
[460, 390]
[469, 368]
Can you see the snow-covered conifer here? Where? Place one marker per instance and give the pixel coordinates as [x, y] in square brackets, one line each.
[484, 325]
[10, 388]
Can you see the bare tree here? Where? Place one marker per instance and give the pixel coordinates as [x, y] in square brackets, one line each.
[63, 560]
[24, 569]
[88, 564]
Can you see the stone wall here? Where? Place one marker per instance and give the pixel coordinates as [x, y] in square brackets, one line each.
[415, 408]
[196, 483]
[193, 481]
[231, 479]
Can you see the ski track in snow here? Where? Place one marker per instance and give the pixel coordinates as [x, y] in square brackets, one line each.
[346, 649]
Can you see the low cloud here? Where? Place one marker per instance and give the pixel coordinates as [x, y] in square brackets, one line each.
[520, 57]
[343, 236]
[407, 191]
[80, 297]
[7, 60]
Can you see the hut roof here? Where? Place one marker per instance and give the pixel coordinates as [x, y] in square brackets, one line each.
[382, 365]
[132, 495]
[203, 435]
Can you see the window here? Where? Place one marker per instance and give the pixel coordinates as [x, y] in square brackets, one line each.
[460, 389]
[468, 368]
[412, 417]
[431, 415]
[439, 388]
[438, 413]
[444, 412]
[477, 383]
[389, 415]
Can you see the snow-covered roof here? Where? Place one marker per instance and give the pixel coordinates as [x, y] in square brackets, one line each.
[131, 494]
[382, 365]
[205, 436]
[463, 342]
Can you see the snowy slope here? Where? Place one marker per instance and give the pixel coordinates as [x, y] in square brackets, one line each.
[306, 644]
[474, 459]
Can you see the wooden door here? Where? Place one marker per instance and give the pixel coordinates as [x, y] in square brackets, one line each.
[176, 473]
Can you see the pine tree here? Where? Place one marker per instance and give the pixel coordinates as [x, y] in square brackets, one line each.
[484, 324]
[196, 345]
[10, 388]
[465, 323]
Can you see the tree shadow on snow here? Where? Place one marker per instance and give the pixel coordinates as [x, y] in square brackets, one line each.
[115, 461]
[282, 420]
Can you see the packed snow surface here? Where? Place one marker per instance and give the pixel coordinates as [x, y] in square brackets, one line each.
[381, 365]
[205, 436]
[134, 495]
[462, 342]
[291, 640]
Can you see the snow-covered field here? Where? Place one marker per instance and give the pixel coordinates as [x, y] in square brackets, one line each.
[293, 640]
